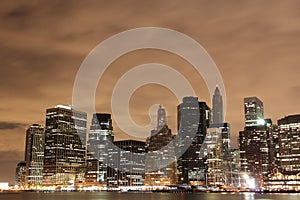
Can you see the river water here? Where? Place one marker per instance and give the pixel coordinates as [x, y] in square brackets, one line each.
[144, 196]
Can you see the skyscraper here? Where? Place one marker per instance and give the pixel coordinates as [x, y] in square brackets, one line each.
[213, 143]
[99, 142]
[254, 111]
[160, 164]
[289, 143]
[34, 155]
[255, 141]
[191, 166]
[224, 137]
[161, 117]
[65, 140]
[217, 107]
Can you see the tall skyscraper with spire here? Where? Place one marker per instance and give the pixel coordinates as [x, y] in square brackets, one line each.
[161, 117]
[217, 110]
[160, 170]
[218, 143]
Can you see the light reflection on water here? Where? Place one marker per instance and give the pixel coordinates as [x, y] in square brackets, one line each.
[145, 196]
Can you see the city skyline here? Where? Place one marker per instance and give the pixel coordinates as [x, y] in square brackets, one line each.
[256, 52]
[259, 149]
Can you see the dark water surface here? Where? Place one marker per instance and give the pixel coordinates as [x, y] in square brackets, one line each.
[145, 196]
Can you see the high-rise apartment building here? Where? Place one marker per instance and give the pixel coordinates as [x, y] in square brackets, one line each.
[34, 155]
[65, 152]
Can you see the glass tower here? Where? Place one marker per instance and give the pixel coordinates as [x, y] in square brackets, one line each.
[191, 166]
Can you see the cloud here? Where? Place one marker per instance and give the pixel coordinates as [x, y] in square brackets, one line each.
[11, 125]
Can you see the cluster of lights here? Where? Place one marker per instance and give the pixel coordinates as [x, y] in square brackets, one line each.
[250, 182]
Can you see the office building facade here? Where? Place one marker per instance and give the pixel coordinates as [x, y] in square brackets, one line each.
[65, 141]
[34, 155]
[289, 143]
[127, 164]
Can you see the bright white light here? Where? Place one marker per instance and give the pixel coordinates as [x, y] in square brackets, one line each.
[250, 182]
[261, 121]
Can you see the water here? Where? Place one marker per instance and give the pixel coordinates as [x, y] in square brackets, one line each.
[144, 196]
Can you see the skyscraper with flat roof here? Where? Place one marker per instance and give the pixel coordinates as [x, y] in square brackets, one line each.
[254, 111]
[193, 119]
[65, 152]
[255, 141]
[34, 155]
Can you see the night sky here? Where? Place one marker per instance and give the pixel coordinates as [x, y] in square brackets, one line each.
[255, 45]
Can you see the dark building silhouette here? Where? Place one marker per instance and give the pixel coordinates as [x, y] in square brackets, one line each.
[99, 143]
[193, 116]
[217, 108]
[34, 155]
[65, 152]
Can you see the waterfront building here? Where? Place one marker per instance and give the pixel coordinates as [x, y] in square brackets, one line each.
[34, 155]
[65, 152]
[288, 181]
